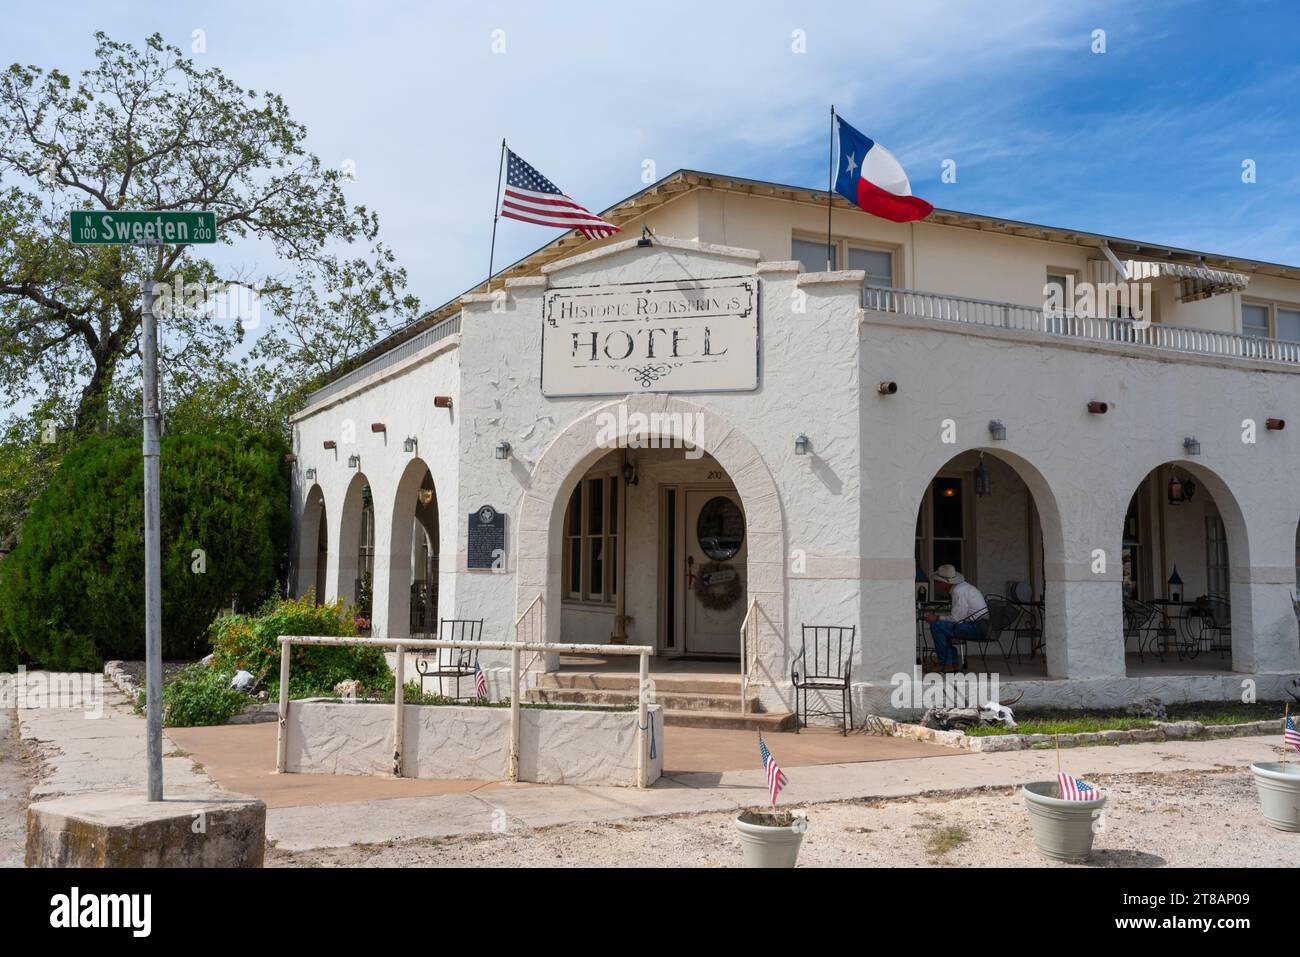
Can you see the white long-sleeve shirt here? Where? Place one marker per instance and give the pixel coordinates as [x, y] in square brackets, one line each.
[966, 601]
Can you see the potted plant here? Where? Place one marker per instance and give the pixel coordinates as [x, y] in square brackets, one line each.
[1278, 783]
[1062, 813]
[770, 838]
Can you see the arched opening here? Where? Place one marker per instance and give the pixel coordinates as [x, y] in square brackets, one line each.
[667, 445]
[1182, 534]
[356, 550]
[981, 582]
[313, 546]
[413, 564]
[654, 550]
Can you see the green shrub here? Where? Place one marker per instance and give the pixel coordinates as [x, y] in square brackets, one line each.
[72, 591]
[200, 695]
[251, 642]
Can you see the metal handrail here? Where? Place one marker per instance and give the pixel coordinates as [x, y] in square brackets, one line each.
[1008, 315]
[400, 645]
[745, 664]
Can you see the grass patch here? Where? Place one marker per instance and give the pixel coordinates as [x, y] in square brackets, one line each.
[945, 839]
[1078, 720]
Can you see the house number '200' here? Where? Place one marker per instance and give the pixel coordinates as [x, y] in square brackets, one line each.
[715, 476]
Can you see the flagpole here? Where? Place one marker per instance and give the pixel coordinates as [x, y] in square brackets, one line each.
[830, 186]
[1286, 716]
[496, 214]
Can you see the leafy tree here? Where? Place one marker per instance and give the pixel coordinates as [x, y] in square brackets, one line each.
[72, 592]
[147, 129]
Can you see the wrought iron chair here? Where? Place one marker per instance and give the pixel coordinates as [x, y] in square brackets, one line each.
[451, 663]
[1001, 619]
[1217, 630]
[823, 663]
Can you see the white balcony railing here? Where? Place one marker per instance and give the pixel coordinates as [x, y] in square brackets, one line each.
[438, 331]
[1006, 315]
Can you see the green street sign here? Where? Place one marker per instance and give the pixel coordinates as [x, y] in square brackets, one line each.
[97, 227]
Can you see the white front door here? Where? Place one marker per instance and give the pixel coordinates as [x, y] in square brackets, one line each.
[716, 553]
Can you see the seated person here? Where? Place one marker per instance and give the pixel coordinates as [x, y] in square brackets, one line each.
[967, 620]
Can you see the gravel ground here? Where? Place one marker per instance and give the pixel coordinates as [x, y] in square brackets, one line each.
[1187, 819]
[14, 786]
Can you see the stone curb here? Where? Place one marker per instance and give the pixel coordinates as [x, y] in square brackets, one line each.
[115, 673]
[1163, 731]
[256, 713]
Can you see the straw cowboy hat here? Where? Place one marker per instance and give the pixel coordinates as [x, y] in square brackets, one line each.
[948, 575]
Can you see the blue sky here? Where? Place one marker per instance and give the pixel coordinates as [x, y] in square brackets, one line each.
[1145, 140]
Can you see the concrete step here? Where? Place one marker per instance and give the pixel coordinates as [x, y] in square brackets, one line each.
[731, 721]
[622, 681]
[671, 700]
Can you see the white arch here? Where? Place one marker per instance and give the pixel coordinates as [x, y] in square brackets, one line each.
[575, 449]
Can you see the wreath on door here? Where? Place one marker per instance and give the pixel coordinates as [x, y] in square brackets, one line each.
[718, 586]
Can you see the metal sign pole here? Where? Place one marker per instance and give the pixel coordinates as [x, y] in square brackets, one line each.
[152, 544]
[150, 229]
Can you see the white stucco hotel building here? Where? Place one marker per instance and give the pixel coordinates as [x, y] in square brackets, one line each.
[817, 493]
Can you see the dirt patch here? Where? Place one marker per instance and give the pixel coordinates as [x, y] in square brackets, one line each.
[1184, 819]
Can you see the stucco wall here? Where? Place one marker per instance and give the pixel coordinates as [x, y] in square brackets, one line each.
[470, 743]
[835, 528]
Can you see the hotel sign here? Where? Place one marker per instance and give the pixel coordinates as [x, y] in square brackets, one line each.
[698, 335]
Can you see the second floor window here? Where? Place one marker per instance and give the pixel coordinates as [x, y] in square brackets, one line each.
[1264, 320]
[878, 264]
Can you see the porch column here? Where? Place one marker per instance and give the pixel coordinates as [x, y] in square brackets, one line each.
[1263, 618]
[1084, 624]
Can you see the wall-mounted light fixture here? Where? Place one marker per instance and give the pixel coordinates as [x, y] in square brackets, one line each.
[442, 402]
[1191, 446]
[629, 474]
[887, 388]
[310, 475]
[354, 461]
[645, 237]
[801, 444]
[983, 481]
[331, 444]
[503, 450]
[378, 427]
[997, 430]
[1275, 425]
[410, 444]
[1098, 408]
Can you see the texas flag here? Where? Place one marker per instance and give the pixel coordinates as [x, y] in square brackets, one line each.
[870, 178]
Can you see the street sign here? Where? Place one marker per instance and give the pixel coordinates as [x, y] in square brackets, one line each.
[121, 227]
[97, 227]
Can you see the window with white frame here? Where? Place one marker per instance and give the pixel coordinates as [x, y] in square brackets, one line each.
[813, 254]
[1216, 557]
[878, 264]
[1254, 320]
[591, 540]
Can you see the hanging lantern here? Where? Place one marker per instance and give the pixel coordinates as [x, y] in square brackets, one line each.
[983, 481]
[1175, 489]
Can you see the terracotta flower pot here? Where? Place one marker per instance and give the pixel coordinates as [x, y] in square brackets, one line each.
[1278, 783]
[1062, 829]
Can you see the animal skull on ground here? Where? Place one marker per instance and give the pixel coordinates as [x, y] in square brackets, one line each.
[1002, 713]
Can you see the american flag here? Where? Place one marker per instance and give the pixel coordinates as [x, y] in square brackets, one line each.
[1290, 736]
[1072, 789]
[533, 198]
[776, 778]
[480, 682]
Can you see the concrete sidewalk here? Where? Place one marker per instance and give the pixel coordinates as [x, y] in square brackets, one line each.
[84, 754]
[534, 806]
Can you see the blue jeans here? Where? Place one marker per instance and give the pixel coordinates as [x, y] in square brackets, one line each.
[943, 632]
